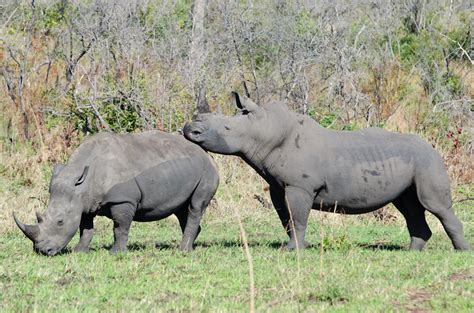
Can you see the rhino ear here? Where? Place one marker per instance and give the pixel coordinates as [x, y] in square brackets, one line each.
[243, 103]
[81, 179]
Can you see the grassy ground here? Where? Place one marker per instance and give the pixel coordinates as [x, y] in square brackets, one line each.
[363, 266]
[356, 263]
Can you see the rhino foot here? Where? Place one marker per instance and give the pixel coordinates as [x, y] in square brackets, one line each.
[186, 249]
[115, 250]
[186, 246]
[292, 245]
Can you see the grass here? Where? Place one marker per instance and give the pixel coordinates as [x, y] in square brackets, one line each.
[364, 266]
[356, 263]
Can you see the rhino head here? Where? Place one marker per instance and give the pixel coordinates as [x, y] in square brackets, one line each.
[252, 133]
[56, 228]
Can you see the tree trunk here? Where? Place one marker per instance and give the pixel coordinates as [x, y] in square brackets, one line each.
[197, 56]
[196, 53]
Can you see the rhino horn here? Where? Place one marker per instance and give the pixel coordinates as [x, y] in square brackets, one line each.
[30, 231]
[39, 217]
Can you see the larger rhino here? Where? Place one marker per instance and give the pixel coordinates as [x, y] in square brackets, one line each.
[140, 177]
[352, 172]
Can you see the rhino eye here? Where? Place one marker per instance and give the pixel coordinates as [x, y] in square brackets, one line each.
[60, 223]
[227, 127]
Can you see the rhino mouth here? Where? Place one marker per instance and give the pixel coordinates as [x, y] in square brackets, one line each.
[49, 248]
[47, 252]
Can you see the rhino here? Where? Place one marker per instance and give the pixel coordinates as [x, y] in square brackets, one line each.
[309, 167]
[127, 177]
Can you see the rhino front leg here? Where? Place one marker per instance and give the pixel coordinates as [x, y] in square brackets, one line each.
[86, 229]
[277, 195]
[122, 215]
[299, 205]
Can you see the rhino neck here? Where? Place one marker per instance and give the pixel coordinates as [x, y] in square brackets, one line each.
[268, 146]
[262, 158]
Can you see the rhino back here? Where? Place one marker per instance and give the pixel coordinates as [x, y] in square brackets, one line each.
[159, 190]
[167, 187]
[116, 160]
[358, 169]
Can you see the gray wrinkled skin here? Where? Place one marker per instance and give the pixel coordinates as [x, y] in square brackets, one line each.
[351, 172]
[140, 177]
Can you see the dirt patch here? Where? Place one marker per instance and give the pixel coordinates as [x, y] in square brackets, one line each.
[467, 274]
[419, 298]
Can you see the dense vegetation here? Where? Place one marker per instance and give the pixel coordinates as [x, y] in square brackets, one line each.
[69, 69]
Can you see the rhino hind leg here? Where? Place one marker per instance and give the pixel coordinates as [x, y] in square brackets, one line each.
[414, 214]
[453, 227]
[190, 222]
[182, 216]
[122, 216]
[433, 191]
[86, 232]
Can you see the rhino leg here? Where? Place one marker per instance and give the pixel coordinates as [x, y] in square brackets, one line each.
[299, 205]
[453, 227]
[192, 228]
[200, 199]
[182, 216]
[414, 214]
[277, 194]
[433, 191]
[86, 232]
[122, 215]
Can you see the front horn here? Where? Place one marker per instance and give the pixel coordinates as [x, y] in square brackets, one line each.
[30, 231]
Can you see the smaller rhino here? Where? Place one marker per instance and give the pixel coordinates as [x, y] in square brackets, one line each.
[129, 177]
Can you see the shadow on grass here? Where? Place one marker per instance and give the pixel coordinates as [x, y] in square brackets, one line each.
[64, 251]
[384, 246]
[238, 244]
[135, 246]
[277, 245]
[281, 245]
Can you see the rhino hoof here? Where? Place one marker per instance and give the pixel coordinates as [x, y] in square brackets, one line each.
[292, 246]
[186, 248]
[116, 250]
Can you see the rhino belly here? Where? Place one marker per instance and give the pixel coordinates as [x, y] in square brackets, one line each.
[167, 187]
[364, 187]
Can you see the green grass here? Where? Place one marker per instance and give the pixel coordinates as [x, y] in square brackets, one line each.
[364, 266]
